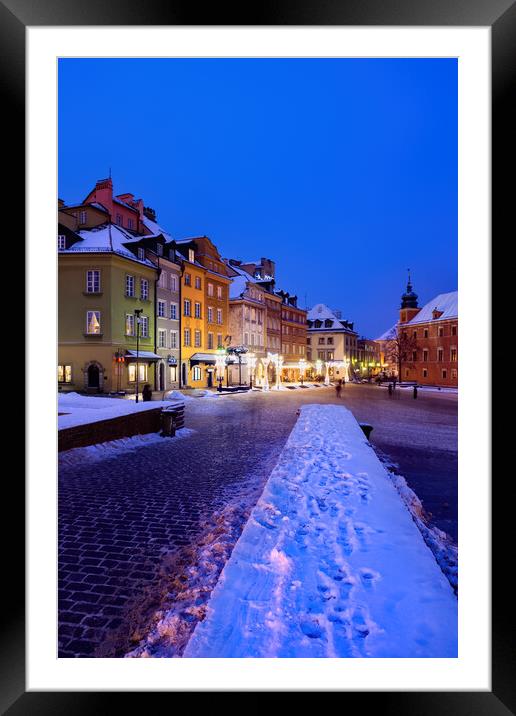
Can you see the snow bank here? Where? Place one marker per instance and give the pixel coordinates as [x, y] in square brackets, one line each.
[103, 451]
[330, 563]
[84, 409]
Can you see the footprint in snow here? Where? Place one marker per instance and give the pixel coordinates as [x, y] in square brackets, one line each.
[311, 628]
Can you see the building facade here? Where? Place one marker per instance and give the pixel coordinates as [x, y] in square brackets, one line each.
[293, 336]
[330, 339]
[102, 280]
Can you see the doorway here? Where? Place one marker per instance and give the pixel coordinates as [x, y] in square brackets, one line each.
[161, 377]
[93, 376]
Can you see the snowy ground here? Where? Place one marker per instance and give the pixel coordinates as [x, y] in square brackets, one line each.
[83, 409]
[330, 563]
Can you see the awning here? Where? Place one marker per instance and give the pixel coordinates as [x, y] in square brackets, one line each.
[143, 356]
[203, 358]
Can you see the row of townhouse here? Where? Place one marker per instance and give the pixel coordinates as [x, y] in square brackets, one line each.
[135, 305]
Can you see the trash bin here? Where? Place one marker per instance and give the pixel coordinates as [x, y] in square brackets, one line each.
[172, 419]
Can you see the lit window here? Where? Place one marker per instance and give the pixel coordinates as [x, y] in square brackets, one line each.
[144, 289]
[219, 291]
[64, 373]
[219, 315]
[142, 372]
[129, 324]
[210, 289]
[93, 322]
[453, 355]
[196, 373]
[61, 242]
[454, 373]
[191, 255]
[92, 281]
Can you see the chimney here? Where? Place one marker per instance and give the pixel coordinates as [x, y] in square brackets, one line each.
[103, 194]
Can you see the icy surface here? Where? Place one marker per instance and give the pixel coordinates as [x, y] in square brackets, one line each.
[331, 562]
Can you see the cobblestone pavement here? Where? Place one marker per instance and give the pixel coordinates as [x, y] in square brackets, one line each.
[119, 516]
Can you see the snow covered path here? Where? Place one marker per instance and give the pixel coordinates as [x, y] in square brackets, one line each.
[330, 563]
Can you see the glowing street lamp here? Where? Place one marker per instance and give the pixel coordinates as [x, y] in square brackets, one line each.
[251, 360]
[302, 368]
[220, 363]
[346, 369]
[278, 363]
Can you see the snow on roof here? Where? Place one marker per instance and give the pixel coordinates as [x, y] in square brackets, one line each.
[321, 312]
[155, 228]
[445, 302]
[107, 237]
[389, 334]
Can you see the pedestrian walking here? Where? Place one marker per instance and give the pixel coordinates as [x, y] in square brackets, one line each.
[338, 388]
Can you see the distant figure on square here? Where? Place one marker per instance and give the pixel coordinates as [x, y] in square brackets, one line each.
[338, 388]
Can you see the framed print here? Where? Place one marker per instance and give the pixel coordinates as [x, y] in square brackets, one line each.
[273, 469]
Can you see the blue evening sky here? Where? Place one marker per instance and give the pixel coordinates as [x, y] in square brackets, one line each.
[343, 171]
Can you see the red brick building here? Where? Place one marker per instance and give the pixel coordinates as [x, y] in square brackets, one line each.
[433, 331]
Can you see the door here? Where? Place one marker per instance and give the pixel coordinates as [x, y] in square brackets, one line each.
[93, 376]
[210, 379]
[161, 376]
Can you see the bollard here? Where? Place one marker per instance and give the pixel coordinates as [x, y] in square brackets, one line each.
[366, 429]
[415, 392]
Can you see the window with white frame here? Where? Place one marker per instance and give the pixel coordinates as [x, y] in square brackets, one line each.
[162, 338]
[142, 372]
[197, 338]
[187, 307]
[219, 315]
[93, 322]
[161, 308]
[197, 310]
[173, 339]
[210, 289]
[187, 340]
[144, 326]
[129, 285]
[219, 340]
[453, 355]
[93, 281]
[119, 219]
[173, 311]
[198, 283]
[159, 249]
[141, 253]
[173, 282]
[82, 217]
[129, 324]
[210, 314]
[191, 255]
[219, 291]
[188, 279]
[61, 242]
[130, 224]
[144, 289]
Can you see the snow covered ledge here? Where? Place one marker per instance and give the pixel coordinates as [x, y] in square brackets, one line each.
[330, 563]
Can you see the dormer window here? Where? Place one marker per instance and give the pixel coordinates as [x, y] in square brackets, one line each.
[130, 224]
[61, 242]
[191, 255]
[141, 254]
[436, 314]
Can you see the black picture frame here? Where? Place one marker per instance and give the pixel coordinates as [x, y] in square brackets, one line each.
[500, 15]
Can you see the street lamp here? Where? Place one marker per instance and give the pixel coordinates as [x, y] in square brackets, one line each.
[302, 368]
[278, 363]
[251, 359]
[137, 313]
[220, 362]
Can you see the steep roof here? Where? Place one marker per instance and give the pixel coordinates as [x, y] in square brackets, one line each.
[322, 312]
[448, 303]
[106, 238]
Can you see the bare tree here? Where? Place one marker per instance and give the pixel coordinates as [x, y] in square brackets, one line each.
[401, 348]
